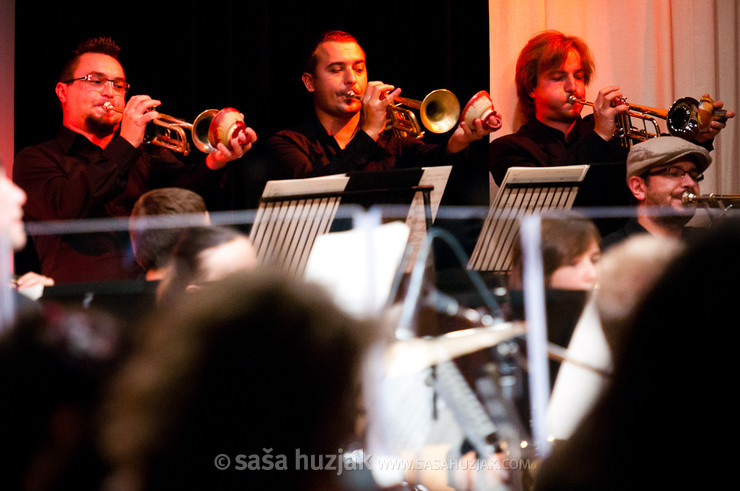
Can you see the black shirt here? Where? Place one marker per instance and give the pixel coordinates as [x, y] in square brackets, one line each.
[69, 177]
[630, 228]
[308, 150]
[537, 145]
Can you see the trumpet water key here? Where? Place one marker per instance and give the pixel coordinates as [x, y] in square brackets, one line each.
[210, 128]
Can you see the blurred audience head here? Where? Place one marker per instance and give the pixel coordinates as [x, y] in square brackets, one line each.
[628, 271]
[261, 366]
[675, 364]
[54, 364]
[12, 199]
[152, 246]
[203, 255]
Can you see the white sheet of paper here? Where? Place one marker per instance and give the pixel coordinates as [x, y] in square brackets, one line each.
[358, 266]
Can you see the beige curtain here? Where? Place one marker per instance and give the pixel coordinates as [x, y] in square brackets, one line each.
[655, 50]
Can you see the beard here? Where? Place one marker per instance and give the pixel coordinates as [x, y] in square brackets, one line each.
[676, 219]
[100, 127]
[673, 216]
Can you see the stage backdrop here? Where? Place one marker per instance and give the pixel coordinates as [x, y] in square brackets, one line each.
[656, 51]
[199, 54]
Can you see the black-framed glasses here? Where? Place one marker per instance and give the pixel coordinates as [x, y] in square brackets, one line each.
[677, 173]
[98, 82]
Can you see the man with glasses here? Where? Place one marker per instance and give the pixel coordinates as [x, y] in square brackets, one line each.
[659, 171]
[97, 166]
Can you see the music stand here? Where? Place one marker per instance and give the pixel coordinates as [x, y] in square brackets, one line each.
[524, 190]
[293, 213]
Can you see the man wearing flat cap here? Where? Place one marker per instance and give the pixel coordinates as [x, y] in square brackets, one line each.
[659, 171]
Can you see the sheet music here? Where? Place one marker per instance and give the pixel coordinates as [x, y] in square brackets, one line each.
[417, 219]
[524, 190]
[437, 177]
[293, 213]
[358, 266]
[284, 231]
[309, 185]
[564, 173]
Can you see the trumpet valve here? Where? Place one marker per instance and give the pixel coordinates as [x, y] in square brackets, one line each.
[618, 101]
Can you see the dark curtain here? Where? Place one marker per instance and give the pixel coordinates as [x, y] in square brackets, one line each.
[194, 55]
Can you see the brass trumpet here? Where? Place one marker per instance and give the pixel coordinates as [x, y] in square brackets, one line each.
[207, 130]
[439, 112]
[713, 200]
[686, 118]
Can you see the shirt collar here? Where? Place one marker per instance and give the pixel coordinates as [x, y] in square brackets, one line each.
[69, 138]
[542, 128]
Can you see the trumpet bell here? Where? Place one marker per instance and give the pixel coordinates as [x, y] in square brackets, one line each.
[440, 111]
[201, 127]
[212, 127]
[683, 119]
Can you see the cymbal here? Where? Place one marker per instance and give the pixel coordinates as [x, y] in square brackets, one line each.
[415, 354]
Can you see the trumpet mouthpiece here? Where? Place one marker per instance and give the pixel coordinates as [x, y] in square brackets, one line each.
[110, 107]
[351, 94]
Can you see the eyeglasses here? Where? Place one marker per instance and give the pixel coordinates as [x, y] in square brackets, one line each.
[98, 82]
[677, 173]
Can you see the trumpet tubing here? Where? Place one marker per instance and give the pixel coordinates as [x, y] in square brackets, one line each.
[686, 118]
[690, 199]
[439, 112]
[207, 130]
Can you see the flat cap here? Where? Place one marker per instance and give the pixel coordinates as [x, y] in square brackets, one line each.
[663, 150]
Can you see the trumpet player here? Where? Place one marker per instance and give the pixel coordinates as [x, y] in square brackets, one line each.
[347, 130]
[550, 69]
[659, 172]
[97, 166]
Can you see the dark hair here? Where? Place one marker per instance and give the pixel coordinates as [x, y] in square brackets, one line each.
[326, 37]
[103, 45]
[152, 247]
[185, 265]
[263, 362]
[562, 241]
[54, 362]
[544, 52]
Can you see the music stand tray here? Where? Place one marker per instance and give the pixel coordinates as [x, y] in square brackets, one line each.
[293, 213]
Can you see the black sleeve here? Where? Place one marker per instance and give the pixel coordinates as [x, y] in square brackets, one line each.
[61, 193]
